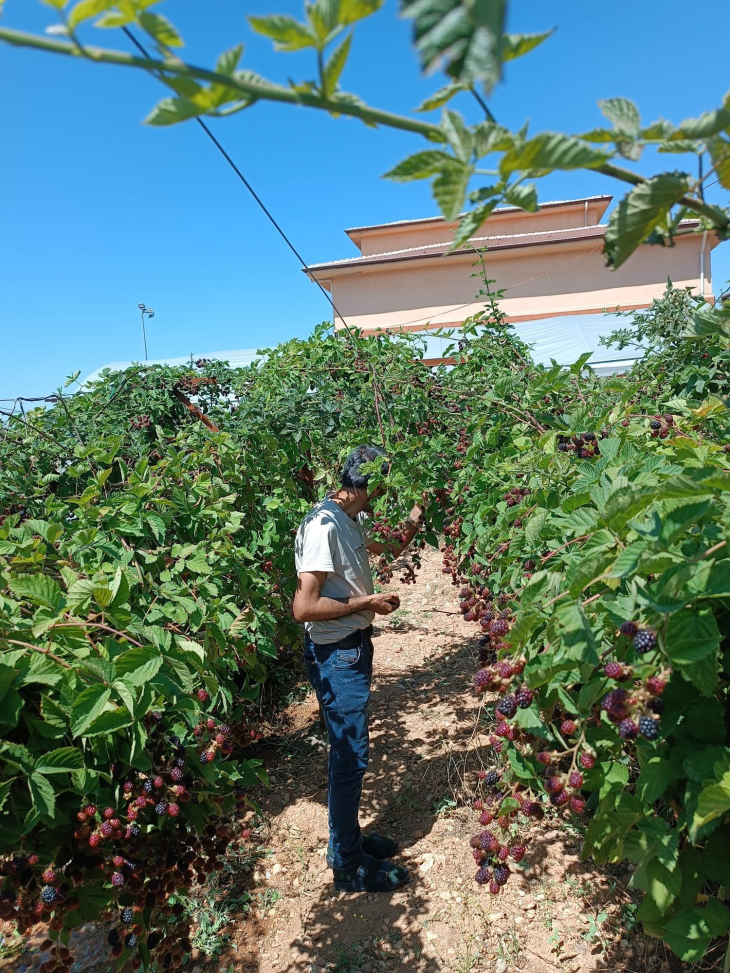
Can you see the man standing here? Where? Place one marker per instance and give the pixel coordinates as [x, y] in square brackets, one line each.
[335, 600]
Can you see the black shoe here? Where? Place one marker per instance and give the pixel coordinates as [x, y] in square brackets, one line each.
[371, 875]
[375, 845]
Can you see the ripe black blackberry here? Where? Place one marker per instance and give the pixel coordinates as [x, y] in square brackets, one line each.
[649, 727]
[505, 613]
[507, 706]
[501, 874]
[656, 705]
[655, 424]
[161, 808]
[482, 680]
[130, 941]
[644, 641]
[127, 916]
[48, 895]
[148, 786]
[628, 730]
[524, 697]
[492, 778]
[482, 876]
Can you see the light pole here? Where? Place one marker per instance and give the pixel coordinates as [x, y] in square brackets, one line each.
[150, 314]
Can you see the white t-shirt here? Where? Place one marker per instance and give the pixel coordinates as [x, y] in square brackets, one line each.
[328, 540]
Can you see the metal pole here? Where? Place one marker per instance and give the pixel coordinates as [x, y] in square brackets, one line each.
[144, 336]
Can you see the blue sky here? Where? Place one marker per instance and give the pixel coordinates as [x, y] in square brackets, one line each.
[100, 212]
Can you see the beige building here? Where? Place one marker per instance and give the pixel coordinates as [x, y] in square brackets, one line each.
[549, 264]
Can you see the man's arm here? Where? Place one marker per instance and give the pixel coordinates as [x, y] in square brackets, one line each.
[311, 606]
[414, 522]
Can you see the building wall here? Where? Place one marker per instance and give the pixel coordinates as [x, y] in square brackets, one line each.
[385, 239]
[538, 282]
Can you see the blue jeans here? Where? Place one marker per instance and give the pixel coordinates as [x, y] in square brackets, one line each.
[340, 674]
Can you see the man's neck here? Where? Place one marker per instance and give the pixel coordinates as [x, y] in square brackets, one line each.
[352, 502]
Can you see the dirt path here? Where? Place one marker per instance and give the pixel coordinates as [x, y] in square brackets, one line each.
[555, 913]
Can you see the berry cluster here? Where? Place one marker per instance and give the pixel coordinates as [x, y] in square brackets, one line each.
[140, 422]
[660, 425]
[515, 495]
[583, 445]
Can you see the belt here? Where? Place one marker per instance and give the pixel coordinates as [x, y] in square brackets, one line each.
[349, 641]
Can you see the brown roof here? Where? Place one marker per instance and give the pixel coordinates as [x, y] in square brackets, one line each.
[549, 204]
[492, 243]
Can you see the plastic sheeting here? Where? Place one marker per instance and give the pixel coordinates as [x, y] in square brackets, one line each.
[561, 339]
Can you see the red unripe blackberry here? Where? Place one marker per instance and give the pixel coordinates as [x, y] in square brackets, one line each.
[628, 730]
[497, 746]
[577, 804]
[117, 861]
[117, 880]
[524, 697]
[576, 779]
[141, 801]
[655, 685]
[629, 629]
[128, 786]
[469, 616]
[49, 876]
[482, 680]
[81, 816]
[568, 728]
[482, 774]
[488, 842]
[614, 670]
[482, 876]
[553, 785]
[225, 729]
[504, 670]
[507, 706]
[587, 761]
[501, 874]
[90, 810]
[203, 695]
[499, 626]
[544, 758]
[158, 782]
[173, 810]
[32, 860]
[478, 804]
[485, 818]
[502, 729]
[176, 774]
[94, 840]
[105, 828]
[517, 852]
[478, 855]
[494, 887]
[108, 812]
[503, 853]
[475, 841]
[132, 813]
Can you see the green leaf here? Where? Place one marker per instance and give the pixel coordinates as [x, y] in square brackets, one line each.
[623, 115]
[85, 10]
[88, 705]
[468, 38]
[170, 111]
[160, 29]
[640, 212]
[228, 61]
[713, 802]
[524, 196]
[335, 65]
[517, 45]
[692, 634]
[471, 221]
[42, 794]
[61, 761]
[110, 721]
[550, 150]
[709, 124]
[40, 589]
[422, 165]
[720, 155]
[653, 779]
[663, 884]
[286, 32]
[457, 134]
[138, 665]
[691, 931]
[439, 98]
[450, 186]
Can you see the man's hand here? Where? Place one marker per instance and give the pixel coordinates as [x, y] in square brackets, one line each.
[384, 604]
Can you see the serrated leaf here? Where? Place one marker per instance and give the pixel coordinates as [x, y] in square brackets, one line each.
[286, 32]
[335, 65]
[692, 634]
[40, 589]
[138, 665]
[110, 721]
[228, 61]
[439, 98]
[517, 45]
[61, 761]
[420, 166]
[170, 111]
[623, 115]
[88, 705]
[524, 196]
[450, 186]
[160, 29]
[640, 212]
[551, 150]
[42, 794]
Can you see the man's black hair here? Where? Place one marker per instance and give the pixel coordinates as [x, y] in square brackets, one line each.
[351, 475]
